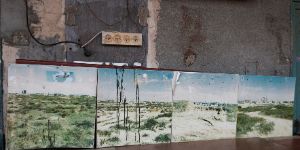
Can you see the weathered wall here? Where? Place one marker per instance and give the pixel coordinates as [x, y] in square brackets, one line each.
[94, 16]
[240, 36]
[53, 21]
[230, 36]
[46, 21]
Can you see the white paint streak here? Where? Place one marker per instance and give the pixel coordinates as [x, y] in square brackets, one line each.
[154, 8]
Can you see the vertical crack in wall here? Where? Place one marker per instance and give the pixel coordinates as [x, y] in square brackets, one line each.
[274, 27]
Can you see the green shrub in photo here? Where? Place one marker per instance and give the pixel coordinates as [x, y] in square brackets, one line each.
[246, 124]
[277, 111]
[49, 121]
[180, 106]
[162, 138]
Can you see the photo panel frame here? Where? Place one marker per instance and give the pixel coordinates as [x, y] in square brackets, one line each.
[205, 106]
[266, 106]
[116, 110]
[134, 107]
[51, 106]
[155, 106]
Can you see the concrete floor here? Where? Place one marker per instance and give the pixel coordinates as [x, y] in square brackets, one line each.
[292, 143]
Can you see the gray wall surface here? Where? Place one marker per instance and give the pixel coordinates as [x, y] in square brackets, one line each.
[226, 36]
[102, 15]
[86, 24]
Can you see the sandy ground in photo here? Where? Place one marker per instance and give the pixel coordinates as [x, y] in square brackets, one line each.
[108, 119]
[282, 127]
[189, 126]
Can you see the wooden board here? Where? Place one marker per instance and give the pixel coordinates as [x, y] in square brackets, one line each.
[119, 38]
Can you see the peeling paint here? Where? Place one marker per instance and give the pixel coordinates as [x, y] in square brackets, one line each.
[154, 9]
[189, 57]
[47, 19]
[47, 22]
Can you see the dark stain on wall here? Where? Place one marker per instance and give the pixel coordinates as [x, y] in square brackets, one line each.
[189, 24]
[273, 26]
[225, 36]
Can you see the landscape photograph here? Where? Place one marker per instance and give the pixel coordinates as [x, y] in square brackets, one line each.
[116, 99]
[266, 106]
[205, 106]
[51, 107]
[155, 97]
[134, 107]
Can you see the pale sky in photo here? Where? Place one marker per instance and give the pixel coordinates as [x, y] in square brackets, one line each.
[154, 85]
[107, 87]
[273, 88]
[206, 87]
[42, 79]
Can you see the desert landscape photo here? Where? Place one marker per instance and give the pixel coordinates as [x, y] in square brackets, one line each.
[266, 106]
[134, 107]
[46, 109]
[205, 106]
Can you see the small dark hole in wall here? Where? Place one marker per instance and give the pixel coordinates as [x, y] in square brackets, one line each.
[87, 53]
[70, 48]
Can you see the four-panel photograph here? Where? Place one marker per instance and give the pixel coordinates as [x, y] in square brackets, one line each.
[81, 107]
